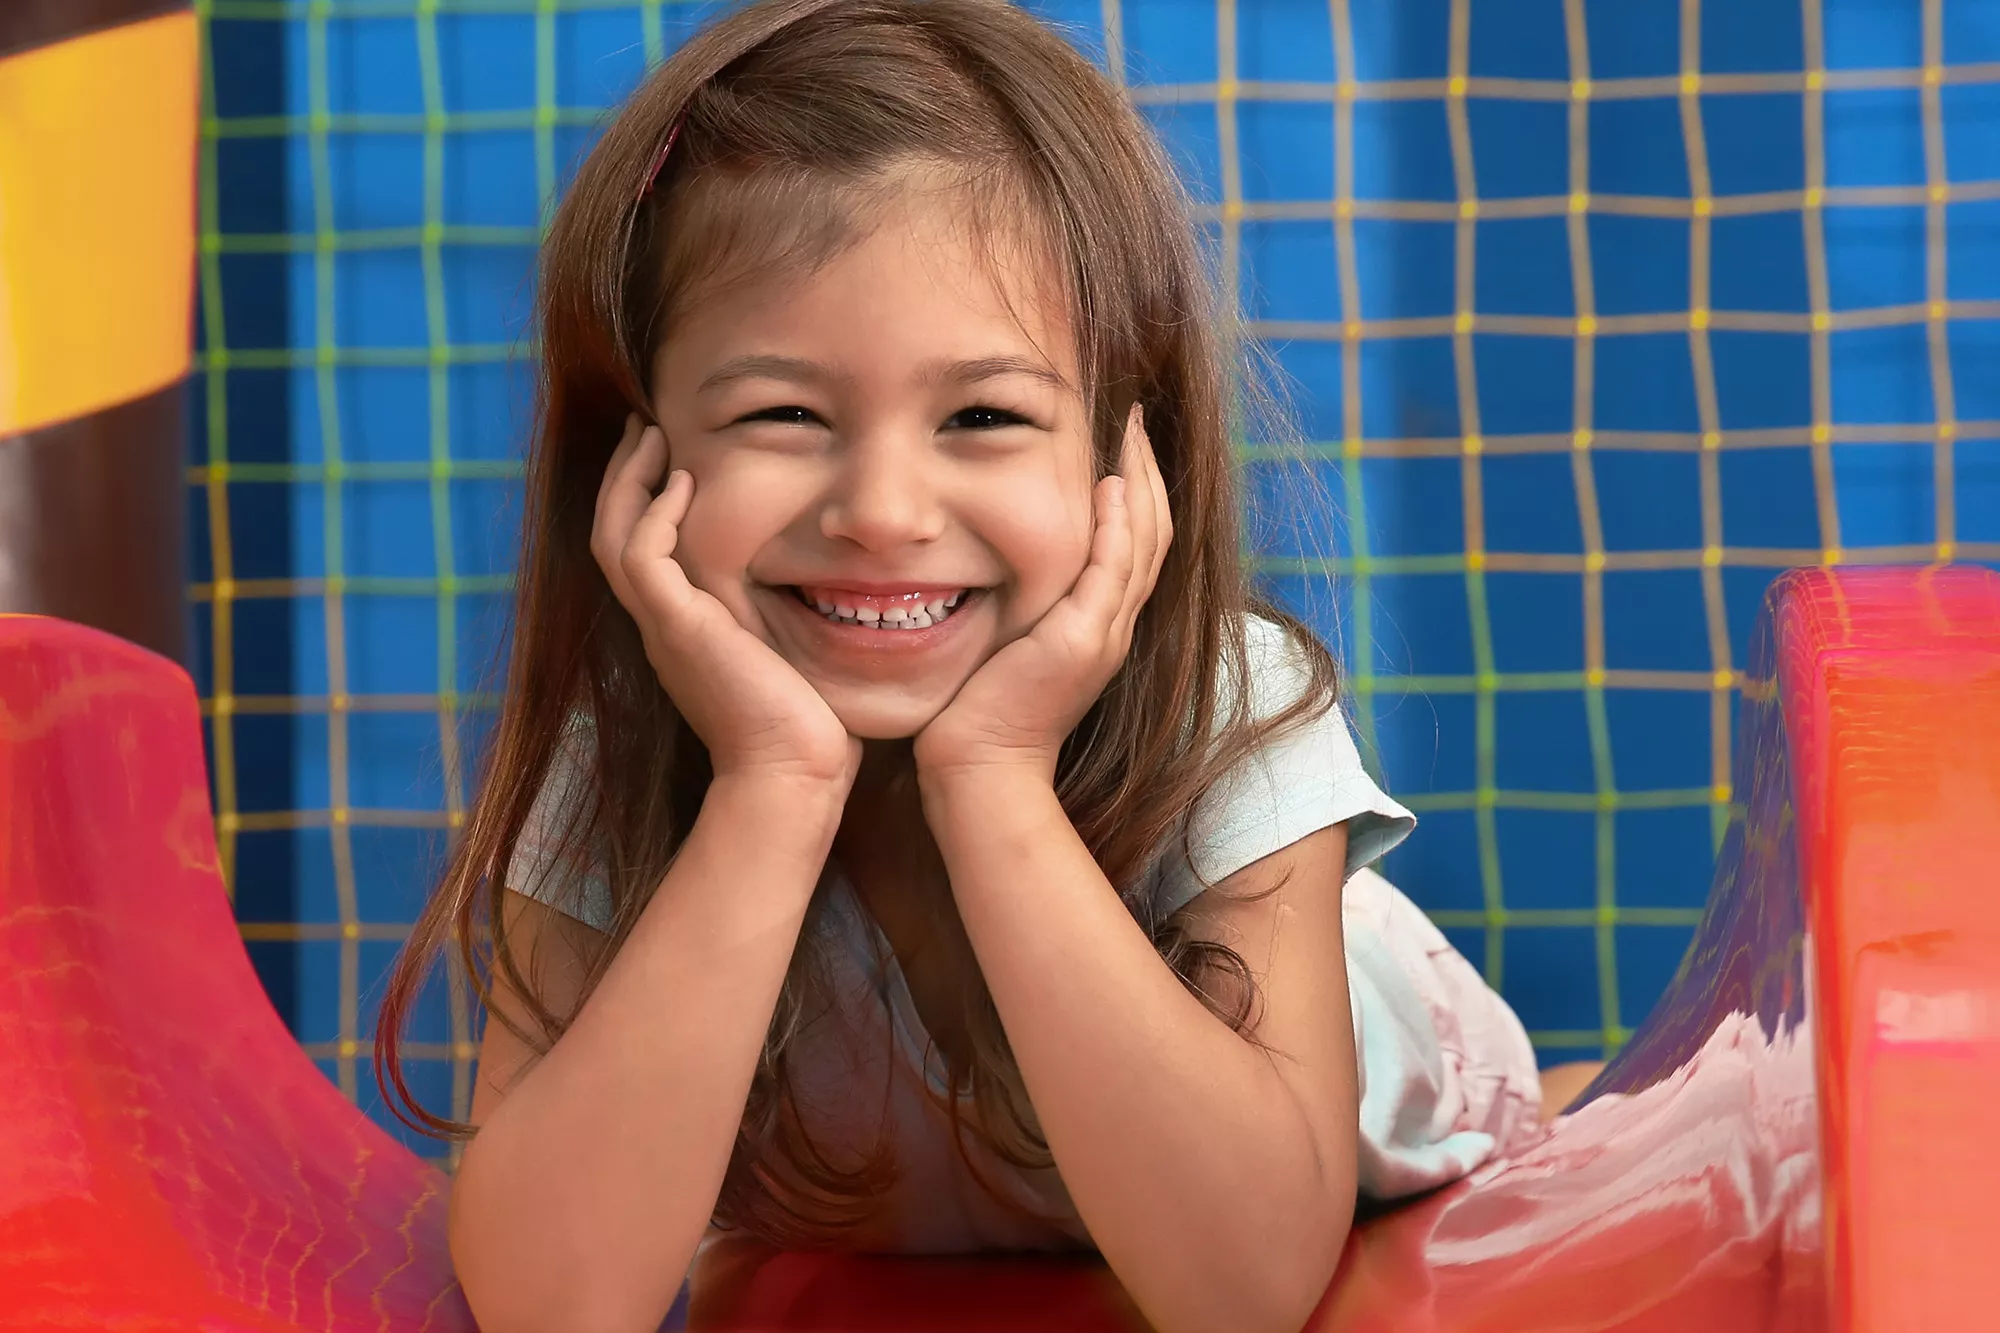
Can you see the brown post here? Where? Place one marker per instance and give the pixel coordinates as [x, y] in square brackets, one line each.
[97, 176]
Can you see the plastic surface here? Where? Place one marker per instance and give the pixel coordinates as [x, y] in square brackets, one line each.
[169, 1157]
[97, 254]
[1795, 1142]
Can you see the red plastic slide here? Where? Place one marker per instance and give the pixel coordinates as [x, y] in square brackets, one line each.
[1794, 1141]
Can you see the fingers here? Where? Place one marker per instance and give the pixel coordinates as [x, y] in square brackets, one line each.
[628, 442]
[647, 560]
[1151, 521]
[624, 497]
[658, 530]
[1099, 593]
[1164, 514]
[1129, 542]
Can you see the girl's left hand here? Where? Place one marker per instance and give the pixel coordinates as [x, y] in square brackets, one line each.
[1019, 707]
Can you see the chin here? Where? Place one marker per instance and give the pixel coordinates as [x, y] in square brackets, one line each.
[878, 719]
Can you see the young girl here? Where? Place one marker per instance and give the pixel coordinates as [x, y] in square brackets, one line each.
[904, 830]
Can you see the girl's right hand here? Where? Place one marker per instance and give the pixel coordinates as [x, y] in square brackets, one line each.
[754, 712]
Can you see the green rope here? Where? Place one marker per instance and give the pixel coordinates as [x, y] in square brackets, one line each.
[650, 33]
[333, 521]
[438, 330]
[545, 107]
[214, 372]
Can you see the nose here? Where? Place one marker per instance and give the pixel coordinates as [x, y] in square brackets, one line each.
[885, 495]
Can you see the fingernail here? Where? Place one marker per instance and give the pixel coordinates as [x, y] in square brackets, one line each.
[1118, 491]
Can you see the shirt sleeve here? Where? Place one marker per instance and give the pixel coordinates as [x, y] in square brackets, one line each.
[571, 882]
[1306, 778]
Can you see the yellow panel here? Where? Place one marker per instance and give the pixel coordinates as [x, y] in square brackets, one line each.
[97, 220]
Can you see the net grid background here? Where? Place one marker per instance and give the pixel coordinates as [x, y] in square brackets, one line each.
[1595, 316]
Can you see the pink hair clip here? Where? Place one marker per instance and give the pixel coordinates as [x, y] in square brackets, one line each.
[660, 159]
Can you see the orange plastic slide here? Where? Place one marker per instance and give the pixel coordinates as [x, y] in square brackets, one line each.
[1795, 1140]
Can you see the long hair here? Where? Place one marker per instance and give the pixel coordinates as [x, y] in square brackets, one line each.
[783, 117]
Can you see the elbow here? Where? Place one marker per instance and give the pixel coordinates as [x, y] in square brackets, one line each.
[1304, 1287]
[1292, 1271]
[1293, 1286]
[1270, 1288]
[521, 1298]
[522, 1280]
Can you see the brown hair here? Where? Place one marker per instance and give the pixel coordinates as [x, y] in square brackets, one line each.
[784, 115]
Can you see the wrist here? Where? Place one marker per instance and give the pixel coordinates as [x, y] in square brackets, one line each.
[781, 806]
[993, 789]
[942, 762]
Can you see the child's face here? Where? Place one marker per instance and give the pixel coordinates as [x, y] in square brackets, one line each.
[899, 429]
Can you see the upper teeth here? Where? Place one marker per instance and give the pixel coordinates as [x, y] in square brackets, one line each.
[903, 615]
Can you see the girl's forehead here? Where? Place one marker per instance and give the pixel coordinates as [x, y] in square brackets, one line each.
[915, 232]
[943, 237]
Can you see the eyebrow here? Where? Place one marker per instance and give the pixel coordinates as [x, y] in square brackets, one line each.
[931, 373]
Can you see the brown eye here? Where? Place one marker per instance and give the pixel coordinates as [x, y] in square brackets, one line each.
[790, 416]
[985, 418]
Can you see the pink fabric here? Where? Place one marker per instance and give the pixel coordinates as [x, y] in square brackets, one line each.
[1448, 1075]
[1733, 1132]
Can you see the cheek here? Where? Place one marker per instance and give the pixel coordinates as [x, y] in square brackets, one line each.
[1043, 533]
[726, 525]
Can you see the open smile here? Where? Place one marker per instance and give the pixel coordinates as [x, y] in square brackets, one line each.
[880, 619]
[901, 612]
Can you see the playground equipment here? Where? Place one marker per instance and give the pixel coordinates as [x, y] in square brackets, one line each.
[100, 106]
[1793, 1141]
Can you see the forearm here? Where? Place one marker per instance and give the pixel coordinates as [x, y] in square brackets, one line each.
[1187, 1154]
[580, 1202]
